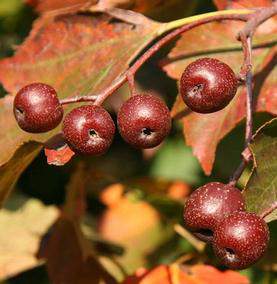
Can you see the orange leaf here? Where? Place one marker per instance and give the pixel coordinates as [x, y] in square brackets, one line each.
[58, 157]
[134, 225]
[210, 275]
[141, 6]
[198, 274]
[239, 4]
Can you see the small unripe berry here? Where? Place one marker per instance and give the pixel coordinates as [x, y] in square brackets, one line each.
[37, 108]
[208, 205]
[208, 85]
[89, 130]
[240, 240]
[144, 121]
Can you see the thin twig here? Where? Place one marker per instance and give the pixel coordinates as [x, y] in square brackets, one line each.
[130, 73]
[172, 35]
[245, 36]
[246, 72]
[99, 98]
[247, 42]
[199, 245]
[78, 99]
[238, 172]
[253, 20]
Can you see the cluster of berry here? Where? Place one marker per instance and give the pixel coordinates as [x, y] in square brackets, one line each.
[207, 85]
[215, 212]
[143, 120]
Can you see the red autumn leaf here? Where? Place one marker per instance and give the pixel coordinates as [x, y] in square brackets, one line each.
[239, 4]
[158, 275]
[69, 255]
[60, 6]
[58, 157]
[68, 259]
[141, 6]
[204, 132]
[197, 274]
[210, 275]
[75, 202]
[77, 54]
[57, 151]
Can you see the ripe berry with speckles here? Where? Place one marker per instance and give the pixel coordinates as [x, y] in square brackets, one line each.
[208, 85]
[89, 130]
[208, 205]
[240, 240]
[144, 121]
[37, 108]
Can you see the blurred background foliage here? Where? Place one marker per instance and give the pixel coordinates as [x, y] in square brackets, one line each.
[152, 186]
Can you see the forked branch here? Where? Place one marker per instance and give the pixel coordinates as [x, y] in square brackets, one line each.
[253, 20]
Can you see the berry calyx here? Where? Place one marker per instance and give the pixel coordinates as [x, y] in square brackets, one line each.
[89, 130]
[37, 108]
[208, 205]
[208, 85]
[240, 240]
[144, 121]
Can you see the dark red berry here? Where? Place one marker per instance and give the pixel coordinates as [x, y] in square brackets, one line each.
[89, 130]
[37, 108]
[208, 205]
[240, 239]
[144, 121]
[208, 85]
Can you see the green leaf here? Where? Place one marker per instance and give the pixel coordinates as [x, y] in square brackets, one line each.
[261, 190]
[174, 161]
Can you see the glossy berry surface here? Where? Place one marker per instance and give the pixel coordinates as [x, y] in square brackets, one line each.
[144, 121]
[240, 240]
[208, 85]
[37, 108]
[89, 130]
[208, 205]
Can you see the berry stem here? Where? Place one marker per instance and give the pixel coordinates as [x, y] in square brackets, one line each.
[249, 104]
[78, 99]
[98, 99]
[173, 34]
[246, 75]
[253, 19]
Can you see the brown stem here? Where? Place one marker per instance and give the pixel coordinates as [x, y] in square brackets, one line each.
[238, 172]
[245, 36]
[157, 46]
[246, 72]
[269, 210]
[252, 22]
[249, 92]
[78, 100]
[172, 35]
